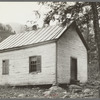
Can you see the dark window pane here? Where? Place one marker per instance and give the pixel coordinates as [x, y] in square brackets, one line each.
[5, 67]
[35, 63]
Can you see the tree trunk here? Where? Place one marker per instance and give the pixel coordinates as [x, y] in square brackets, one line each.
[88, 36]
[96, 28]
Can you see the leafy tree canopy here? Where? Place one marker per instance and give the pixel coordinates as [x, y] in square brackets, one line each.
[6, 28]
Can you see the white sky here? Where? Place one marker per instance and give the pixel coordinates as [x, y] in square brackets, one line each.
[18, 12]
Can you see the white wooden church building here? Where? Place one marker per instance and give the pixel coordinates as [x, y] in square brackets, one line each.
[54, 54]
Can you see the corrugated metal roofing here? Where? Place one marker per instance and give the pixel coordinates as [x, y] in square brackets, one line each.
[32, 37]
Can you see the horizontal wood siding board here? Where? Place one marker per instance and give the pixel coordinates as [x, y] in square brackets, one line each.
[19, 66]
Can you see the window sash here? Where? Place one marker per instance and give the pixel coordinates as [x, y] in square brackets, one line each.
[35, 64]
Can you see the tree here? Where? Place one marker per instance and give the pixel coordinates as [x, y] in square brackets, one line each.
[8, 27]
[64, 12]
[96, 28]
[5, 28]
[76, 12]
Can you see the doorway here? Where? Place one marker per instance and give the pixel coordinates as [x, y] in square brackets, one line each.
[73, 69]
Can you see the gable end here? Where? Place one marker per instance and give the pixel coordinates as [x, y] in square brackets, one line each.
[73, 24]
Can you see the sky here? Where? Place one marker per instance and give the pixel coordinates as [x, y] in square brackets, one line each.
[21, 12]
[18, 12]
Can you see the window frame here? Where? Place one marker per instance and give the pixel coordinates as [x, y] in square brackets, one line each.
[30, 68]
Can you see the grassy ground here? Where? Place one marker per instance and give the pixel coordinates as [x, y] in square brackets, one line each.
[37, 92]
[20, 92]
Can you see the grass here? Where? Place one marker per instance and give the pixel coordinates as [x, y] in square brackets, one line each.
[30, 92]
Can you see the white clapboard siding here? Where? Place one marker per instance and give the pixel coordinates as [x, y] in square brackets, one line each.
[19, 66]
[70, 45]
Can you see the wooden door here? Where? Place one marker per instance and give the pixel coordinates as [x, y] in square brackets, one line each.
[73, 69]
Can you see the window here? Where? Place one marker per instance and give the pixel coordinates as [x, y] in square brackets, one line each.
[35, 64]
[5, 67]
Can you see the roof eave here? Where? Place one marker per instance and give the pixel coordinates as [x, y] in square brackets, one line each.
[82, 38]
[28, 46]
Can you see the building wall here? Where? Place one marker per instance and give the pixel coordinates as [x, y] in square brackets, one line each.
[70, 45]
[19, 66]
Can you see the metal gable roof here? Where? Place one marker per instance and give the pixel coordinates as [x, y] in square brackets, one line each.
[45, 34]
[32, 37]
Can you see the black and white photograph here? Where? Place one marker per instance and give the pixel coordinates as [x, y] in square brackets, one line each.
[49, 49]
